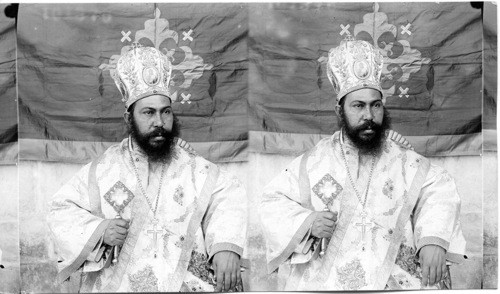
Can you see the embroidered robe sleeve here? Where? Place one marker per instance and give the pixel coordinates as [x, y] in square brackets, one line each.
[436, 215]
[77, 233]
[286, 223]
[225, 222]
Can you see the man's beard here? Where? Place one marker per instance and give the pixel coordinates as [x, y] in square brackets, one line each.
[161, 152]
[373, 144]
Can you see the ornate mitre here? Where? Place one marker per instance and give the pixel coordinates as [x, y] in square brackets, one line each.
[354, 65]
[142, 72]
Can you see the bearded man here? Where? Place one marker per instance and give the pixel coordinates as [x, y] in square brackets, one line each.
[149, 214]
[361, 210]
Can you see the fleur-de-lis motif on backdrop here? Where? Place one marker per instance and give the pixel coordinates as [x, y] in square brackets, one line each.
[186, 67]
[400, 60]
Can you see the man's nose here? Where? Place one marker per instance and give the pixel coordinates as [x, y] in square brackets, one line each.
[368, 113]
[158, 121]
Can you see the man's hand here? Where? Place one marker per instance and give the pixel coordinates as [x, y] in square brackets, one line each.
[116, 232]
[324, 224]
[226, 266]
[432, 260]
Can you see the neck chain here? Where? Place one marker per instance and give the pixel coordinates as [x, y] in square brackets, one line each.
[362, 201]
[142, 188]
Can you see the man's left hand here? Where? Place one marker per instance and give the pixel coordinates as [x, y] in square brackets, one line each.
[226, 265]
[433, 263]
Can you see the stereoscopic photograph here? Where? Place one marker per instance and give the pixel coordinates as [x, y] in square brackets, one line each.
[248, 147]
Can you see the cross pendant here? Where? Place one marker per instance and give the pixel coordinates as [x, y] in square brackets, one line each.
[363, 226]
[155, 233]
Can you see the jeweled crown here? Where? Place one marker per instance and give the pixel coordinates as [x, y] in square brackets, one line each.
[142, 72]
[353, 65]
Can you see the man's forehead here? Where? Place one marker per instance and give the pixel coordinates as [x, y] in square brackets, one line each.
[154, 101]
[364, 95]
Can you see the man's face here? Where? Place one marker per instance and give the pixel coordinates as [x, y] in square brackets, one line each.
[153, 126]
[363, 118]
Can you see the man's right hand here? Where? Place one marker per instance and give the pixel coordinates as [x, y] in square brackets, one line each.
[116, 232]
[324, 224]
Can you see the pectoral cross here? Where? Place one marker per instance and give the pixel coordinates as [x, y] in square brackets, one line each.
[155, 233]
[363, 226]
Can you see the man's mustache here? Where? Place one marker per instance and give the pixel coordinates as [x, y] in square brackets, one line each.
[159, 132]
[369, 124]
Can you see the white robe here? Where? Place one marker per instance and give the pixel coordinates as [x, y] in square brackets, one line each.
[201, 211]
[410, 204]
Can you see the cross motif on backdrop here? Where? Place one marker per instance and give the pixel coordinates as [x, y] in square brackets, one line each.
[187, 36]
[345, 29]
[185, 98]
[403, 92]
[126, 36]
[405, 29]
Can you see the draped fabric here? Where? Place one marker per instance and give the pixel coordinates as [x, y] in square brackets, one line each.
[8, 95]
[490, 76]
[252, 77]
[432, 76]
[70, 108]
